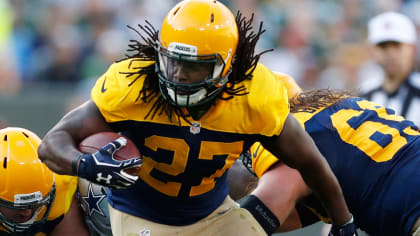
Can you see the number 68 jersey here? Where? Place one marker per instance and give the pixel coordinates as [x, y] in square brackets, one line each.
[375, 156]
[183, 175]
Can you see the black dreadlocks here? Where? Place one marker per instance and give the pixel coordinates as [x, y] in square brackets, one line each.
[312, 100]
[243, 65]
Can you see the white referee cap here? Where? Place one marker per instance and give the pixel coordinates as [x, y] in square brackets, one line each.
[391, 26]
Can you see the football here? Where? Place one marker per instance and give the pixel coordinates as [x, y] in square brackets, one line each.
[96, 141]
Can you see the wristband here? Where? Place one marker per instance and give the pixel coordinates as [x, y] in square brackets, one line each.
[75, 163]
[262, 214]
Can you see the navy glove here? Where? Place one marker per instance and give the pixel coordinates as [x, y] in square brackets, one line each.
[101, 167]
[348, 229]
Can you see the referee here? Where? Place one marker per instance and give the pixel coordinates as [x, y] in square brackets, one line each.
[393, 39]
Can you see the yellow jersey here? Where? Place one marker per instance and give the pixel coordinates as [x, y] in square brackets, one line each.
[184, 164]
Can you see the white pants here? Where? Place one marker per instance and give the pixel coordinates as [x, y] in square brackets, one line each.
[228, 219]
[416, 228]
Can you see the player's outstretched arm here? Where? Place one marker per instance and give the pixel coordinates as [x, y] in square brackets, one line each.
[291, 223]
[280, 188]
[296, 149]
[58, 148]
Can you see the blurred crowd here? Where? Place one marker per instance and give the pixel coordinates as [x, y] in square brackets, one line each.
[321, 43]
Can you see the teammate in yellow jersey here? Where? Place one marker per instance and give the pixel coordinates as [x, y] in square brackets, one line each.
[34, 200]
[192, 99]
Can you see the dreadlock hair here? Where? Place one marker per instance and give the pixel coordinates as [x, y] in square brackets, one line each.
[245, 60]
[312, 100]
[243, 65]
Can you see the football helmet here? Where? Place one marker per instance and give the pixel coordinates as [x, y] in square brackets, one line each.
[196, 36]
[26, 183]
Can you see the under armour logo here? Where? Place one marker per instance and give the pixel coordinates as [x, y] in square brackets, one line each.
[107, 180]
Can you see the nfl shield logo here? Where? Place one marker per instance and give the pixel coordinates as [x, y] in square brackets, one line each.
[195, 128]
[145, 232]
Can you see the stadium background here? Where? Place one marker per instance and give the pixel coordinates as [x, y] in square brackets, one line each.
[51, 51]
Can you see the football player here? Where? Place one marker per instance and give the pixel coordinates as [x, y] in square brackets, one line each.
[192, 99]
[93, 196]
[34, 200]
[374, 154]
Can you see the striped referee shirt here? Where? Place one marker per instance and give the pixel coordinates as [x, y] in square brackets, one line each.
[405, 101]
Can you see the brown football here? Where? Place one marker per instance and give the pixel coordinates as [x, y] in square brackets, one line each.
[96, 141]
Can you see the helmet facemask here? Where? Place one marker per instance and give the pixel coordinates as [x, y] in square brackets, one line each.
[197, 91]
[41, 204]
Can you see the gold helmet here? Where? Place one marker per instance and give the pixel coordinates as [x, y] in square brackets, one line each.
[26, 183]
[200, 35]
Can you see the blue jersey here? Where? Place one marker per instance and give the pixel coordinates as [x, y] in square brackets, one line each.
[183, 175]
[376, 158]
